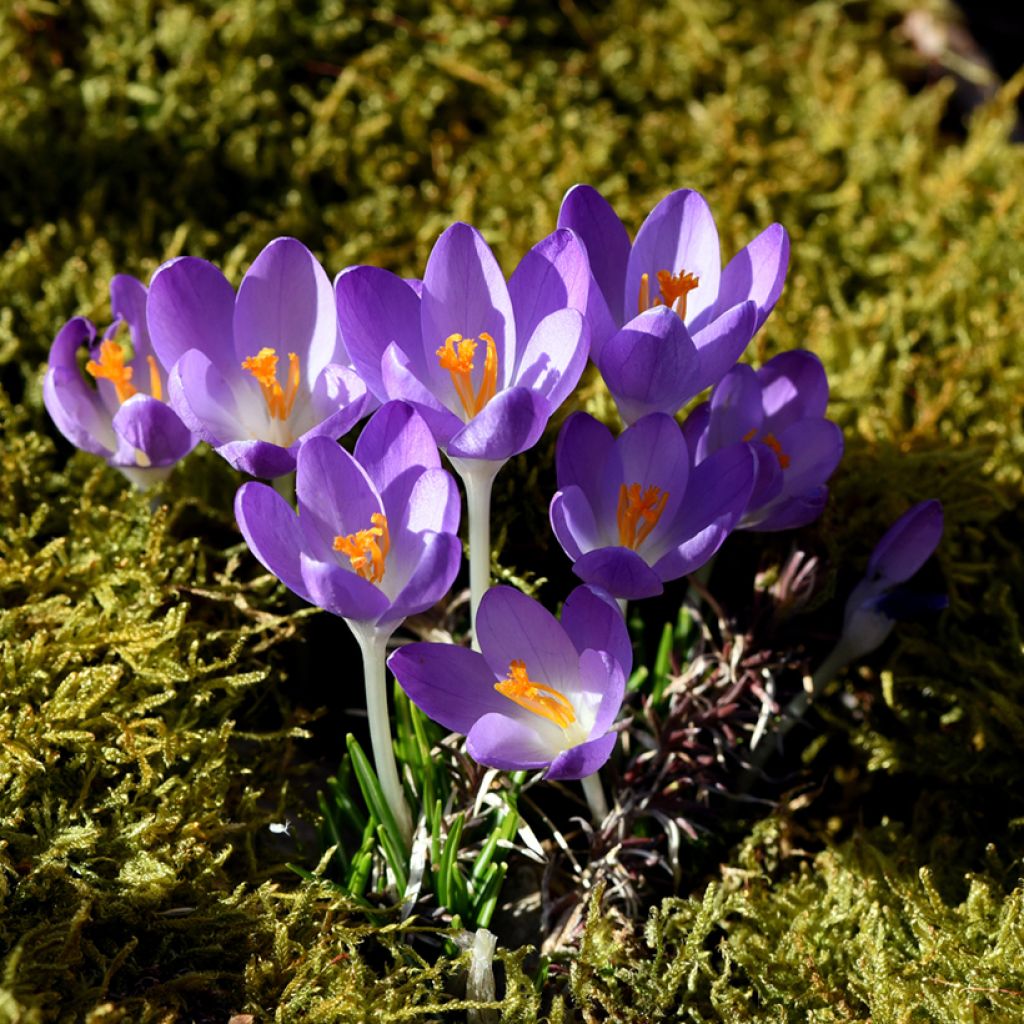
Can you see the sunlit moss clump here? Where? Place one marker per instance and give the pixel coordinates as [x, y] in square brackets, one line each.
[154, 700]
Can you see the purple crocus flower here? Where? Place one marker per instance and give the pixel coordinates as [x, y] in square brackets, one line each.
[539, 694]
[258, 374]
[124, 417]
[630, 511]
[666, 320]
[780, 411]
[484, 362]
[879, 601]
[374, 539]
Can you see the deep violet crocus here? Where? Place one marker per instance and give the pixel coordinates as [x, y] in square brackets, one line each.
[119, 413]
[630, 511]
[666, 320]
[374, 541]
[780, 411]
[257, 374]
[539, 694]
[485, 363]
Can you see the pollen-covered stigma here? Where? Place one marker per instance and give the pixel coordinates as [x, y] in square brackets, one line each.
[673, 291]
[367, 550]
[263, 366]
[456, 356]
[772, 442]
[536, 697]
[111, 366]
[638, 513]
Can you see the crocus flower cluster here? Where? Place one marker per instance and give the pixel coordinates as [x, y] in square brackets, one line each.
[475, 366]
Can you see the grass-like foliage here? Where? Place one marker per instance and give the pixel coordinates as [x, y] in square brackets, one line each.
[162, 701]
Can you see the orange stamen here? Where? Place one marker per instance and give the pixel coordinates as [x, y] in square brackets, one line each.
[536, 697]
[773, 442]
[156, 389]
[111, 367]
[636, 505]
[456, 356]
[675, 288]
[366, 555]
[263, 366]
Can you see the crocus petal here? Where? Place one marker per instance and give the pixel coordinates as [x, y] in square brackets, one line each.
[601, 687]
[788, 513]
[756, 272]
[735, 410]
[718, 493]
[335, 495]
[258, 458]
[508, 424]
[572, 520]
[651, 365]
[394, 448]
[590, 215]
[286, 302]
[679, 234]
[584, 446]
[128, 303]
[148, 425]
[400, 383]
[271, 529]
[768, 482]
[375, 310]
[464, 292]
[583, 760]
[501, 741]
[695, 428]
[793, 387]
[431, 502]
[434, 568]
[203, 398]
[512, 627]
[908, 543]
[452, 685]
[555, 356]
[620, 571]
[341, 592]
[592, 619]
[338, 402]
[191, 304]
[722, 342]
[815, 447]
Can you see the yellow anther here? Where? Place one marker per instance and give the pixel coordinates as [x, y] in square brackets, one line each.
[773, 442]
[638, 513]
[536, 697]
[156, 388]
[263, 366]
[367, 549]
[111, 367]
[456, 356]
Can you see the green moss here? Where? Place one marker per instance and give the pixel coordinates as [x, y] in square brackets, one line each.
[143, 734]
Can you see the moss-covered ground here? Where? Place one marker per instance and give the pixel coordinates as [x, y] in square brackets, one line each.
[157, 709]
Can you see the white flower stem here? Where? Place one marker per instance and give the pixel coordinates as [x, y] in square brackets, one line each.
[478, 477]
[623, 603]
[285, 486]
[594, 792]
[793, 712]
[373, 645]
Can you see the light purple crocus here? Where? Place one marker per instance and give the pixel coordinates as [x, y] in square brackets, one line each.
[484, 362]
[122, 416]
[879, 601]
[257, 374]
[780, 411]
[374, 539]
[666, 320]
[630, 511]
[540, 694]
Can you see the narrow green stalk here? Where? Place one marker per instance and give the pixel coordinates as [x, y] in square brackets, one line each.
[478, 477]
[373, 646]
[285, 486]
[594, 792]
